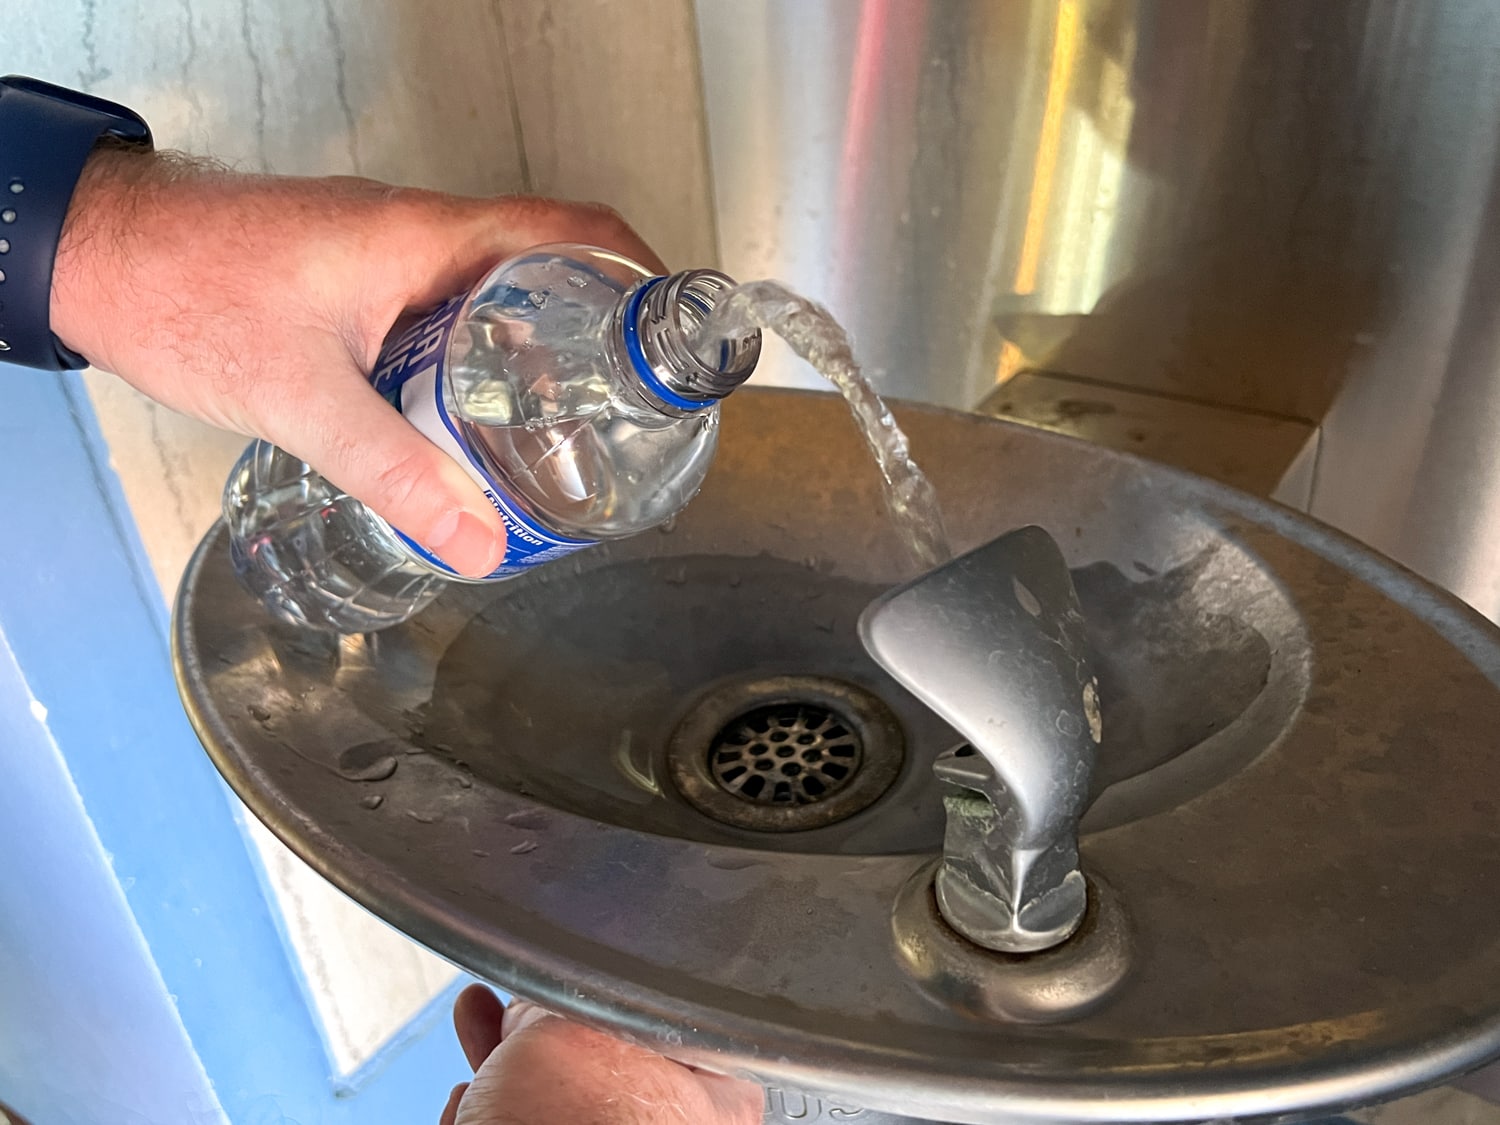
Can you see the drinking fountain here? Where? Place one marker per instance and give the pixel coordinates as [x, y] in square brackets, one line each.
[1158, 803]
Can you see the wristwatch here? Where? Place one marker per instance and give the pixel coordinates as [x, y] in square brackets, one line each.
[46, 135]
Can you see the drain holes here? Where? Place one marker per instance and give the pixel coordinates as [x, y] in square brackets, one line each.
[786, 753]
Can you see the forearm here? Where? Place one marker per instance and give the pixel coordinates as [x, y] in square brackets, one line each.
[172, 259]
[90, 254]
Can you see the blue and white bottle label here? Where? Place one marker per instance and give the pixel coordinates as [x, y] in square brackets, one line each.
[410, 375]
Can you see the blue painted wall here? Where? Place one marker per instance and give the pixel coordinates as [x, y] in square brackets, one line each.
[168, 959]
[87, 1031]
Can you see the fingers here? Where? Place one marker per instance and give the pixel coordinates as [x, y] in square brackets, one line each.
[548, 1068]
[502, 227]
[354, 438]
[450, 1111]
[736, 1100]
[450, 242]
[477, 1017]
[546, 220]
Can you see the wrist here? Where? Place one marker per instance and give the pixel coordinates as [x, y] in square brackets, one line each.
[92, 252]
[47, 134]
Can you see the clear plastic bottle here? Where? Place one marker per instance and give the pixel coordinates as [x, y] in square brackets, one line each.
[565, 382]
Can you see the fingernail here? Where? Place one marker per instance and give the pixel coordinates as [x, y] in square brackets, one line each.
[470, 545]
[521, 1013]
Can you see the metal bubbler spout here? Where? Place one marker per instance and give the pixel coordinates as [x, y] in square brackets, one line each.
[994, 642]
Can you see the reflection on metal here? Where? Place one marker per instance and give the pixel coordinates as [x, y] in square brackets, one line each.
[1063, 44]
[1270, 205]
[924, 169]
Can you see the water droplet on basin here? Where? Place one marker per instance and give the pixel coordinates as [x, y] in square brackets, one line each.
[481, 853]
[523, 847]
[258, 713]
[1027, 599]
[421, 818]
[1091, 710]
[669, 526]
[373, 801]
[538, 297]
[576, 281]
[369, 761]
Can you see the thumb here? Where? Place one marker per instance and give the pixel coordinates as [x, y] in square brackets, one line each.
[352, 436]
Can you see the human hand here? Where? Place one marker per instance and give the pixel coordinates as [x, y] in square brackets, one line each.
[259, 303]
[535, 1068]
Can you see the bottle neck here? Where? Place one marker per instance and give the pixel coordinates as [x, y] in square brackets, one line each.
[657, 328]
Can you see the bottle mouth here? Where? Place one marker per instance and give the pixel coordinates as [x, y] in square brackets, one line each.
[663, 322]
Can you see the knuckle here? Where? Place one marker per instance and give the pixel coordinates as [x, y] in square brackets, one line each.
[603, 214]
[606, 221]
[560, 218]
[401, 482]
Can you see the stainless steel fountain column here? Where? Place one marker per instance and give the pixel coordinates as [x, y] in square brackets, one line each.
[1284, 209]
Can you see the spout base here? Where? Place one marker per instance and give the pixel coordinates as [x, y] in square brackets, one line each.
[987, 920]
[1056, 985]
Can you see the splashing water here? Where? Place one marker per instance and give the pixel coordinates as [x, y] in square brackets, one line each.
[811, 331]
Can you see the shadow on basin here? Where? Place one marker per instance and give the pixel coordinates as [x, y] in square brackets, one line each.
[568, 685]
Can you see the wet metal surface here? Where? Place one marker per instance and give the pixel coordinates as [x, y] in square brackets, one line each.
[1299, 826]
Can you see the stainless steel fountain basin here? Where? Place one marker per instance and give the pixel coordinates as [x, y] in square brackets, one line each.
[1295, 798]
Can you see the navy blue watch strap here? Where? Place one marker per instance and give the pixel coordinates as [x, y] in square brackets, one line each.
[46, 136]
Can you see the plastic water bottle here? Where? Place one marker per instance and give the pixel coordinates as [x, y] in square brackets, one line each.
[565, 382]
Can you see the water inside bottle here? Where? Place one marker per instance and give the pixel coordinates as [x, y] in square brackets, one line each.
[812, 332]
[546, 414]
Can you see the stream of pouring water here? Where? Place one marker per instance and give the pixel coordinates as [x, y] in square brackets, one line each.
[813, 334]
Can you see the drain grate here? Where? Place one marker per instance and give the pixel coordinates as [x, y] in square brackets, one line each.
[786, 753]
